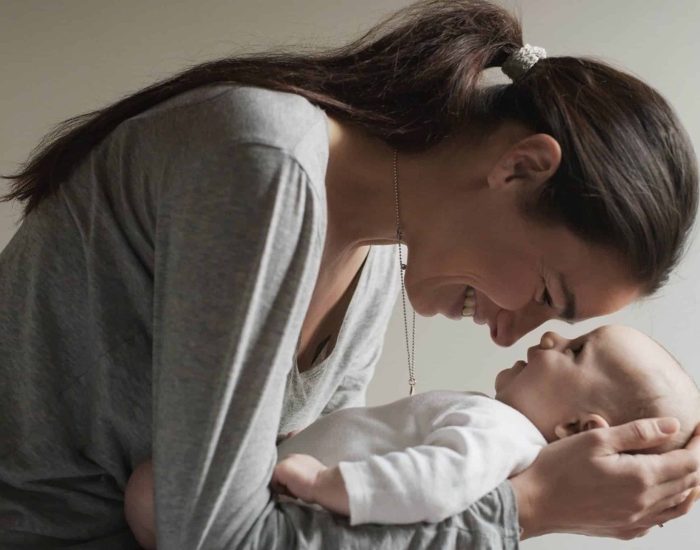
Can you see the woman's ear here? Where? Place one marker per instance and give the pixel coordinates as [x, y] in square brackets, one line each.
[587, 421]
[531, 161]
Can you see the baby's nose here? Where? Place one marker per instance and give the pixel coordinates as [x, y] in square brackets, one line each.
[549, 340]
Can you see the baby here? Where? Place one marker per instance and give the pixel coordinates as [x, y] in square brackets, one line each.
[427, 457]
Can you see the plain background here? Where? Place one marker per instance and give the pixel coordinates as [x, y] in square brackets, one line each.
[59, 58]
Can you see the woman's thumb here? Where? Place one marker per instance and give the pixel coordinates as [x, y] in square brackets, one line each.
[642, 434]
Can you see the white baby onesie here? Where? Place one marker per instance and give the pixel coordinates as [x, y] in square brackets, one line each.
[421, 458]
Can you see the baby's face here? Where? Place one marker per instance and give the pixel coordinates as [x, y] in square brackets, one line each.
[559, 380]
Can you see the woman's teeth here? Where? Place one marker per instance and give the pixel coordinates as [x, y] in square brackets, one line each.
[469, 303]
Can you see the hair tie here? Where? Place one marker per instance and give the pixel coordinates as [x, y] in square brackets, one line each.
[522, 60]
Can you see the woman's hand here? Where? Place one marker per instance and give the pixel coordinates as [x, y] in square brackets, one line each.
[582, 484]
[304, 477]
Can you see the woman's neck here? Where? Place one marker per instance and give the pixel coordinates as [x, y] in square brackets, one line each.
[359, 189]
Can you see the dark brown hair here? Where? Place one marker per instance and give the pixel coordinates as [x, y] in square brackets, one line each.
[628, 178]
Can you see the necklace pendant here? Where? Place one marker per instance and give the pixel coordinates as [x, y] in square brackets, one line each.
[412, 388]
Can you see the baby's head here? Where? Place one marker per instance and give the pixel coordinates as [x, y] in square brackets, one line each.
[610, 376]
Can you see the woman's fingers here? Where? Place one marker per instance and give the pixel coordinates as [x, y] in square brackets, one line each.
[677, 510]
[594, 483]
[632, 534]
[640, 434]
[677, 496]
[681, 464]
[663, 475]
[675, 487]
[666, 504]
[694, 444]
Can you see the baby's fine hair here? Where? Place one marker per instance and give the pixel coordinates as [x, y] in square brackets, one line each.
[641, 400]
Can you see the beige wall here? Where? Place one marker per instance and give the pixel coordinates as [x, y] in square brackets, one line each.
[59, 58]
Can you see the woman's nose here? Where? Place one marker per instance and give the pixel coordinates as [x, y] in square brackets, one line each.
[524, 321]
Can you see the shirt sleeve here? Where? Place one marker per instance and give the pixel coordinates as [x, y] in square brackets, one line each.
[234, 270]
[468, 453]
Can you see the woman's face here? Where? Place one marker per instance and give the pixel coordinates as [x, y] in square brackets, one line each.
[523, 273]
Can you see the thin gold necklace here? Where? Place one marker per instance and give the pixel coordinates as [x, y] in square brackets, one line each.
[410, 350]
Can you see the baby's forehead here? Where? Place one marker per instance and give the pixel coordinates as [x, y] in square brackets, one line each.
[620, 337]
[625, 352]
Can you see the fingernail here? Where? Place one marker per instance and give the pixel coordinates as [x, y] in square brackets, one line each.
[668, 425]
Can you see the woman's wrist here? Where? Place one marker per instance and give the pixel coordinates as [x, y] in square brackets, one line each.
[527, 505]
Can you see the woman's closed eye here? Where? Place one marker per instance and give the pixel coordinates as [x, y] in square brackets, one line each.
[546, 298]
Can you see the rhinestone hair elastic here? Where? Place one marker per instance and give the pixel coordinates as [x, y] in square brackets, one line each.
[522, 60]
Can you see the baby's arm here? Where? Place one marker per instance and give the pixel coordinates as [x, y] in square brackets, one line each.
[306, 478]
[425, 483]
[466, 454]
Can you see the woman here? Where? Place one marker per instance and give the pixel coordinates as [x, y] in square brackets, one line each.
[189, 253]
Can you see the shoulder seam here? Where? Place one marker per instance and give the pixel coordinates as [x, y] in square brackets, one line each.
[148, 113]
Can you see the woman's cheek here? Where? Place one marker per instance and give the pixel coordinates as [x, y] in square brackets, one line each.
[514, 294]
[499, 299]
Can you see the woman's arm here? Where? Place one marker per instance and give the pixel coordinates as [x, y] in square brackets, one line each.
[582, 484]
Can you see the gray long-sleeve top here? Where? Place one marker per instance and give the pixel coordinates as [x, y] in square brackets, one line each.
[153, 307]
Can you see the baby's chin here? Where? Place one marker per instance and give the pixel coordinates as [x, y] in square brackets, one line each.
[501, 386]
[506, 376]
[498, 383]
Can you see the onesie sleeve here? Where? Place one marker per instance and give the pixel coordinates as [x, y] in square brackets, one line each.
[466, 455]
[238, 246]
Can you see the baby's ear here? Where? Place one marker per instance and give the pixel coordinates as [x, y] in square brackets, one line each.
[585, 422]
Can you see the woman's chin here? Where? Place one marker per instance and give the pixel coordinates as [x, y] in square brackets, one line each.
[452, 315]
